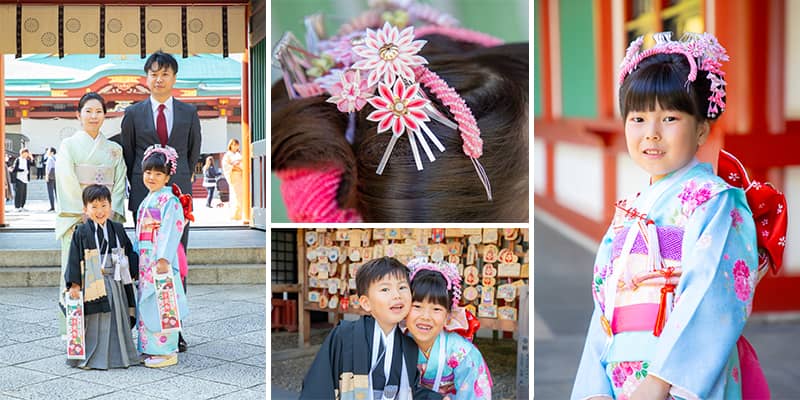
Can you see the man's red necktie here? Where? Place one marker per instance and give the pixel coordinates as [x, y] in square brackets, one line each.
[161, 125]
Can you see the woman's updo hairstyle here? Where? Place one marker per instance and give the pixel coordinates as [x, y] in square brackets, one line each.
[310, 133]
[662, 78]
[91, 96]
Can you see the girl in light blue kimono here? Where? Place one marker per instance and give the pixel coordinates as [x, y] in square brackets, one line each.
[160, 223]
[675, 273]
[448, 363]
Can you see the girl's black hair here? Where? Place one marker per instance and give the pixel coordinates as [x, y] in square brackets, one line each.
[310, 133]
[662, 78]
[431, 286]
[91, 96]
[156, 161]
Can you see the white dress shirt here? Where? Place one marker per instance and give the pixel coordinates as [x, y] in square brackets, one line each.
[169, 113]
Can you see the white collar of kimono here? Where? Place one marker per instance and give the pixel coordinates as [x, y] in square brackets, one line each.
[404, 391]
[97, 138]
[440, 362]
[103, 258]
[154, 104]
[388, 342]
[643, 205]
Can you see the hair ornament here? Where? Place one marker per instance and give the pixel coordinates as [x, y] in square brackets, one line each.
[374, 60]
[703, 52]
[448, 270]
[169, 153]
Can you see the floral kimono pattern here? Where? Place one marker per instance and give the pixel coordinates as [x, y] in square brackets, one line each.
[677, 314]
[160, 224]
[464, 372]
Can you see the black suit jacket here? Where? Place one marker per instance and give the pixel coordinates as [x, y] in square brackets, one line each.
[139, 133]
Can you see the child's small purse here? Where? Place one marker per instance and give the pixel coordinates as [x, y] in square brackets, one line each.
[76, 334]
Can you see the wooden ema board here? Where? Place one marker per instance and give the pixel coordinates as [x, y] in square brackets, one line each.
[493, 263]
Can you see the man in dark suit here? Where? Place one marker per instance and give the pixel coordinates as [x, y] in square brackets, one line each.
[164, 120]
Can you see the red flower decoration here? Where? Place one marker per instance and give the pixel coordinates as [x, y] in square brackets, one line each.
[398, 107]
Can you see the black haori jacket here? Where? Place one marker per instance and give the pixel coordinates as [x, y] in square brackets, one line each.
[345, 358]
[95, 299]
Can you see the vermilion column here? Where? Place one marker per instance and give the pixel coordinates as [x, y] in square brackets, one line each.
[2, 140]
[245, 107]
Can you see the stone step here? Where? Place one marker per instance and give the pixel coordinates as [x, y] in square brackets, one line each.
[38, 248]
[207, 256]
[198, 274]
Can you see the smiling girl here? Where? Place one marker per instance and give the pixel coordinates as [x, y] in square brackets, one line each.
[675, 273]
[160, 224]
[449, 363]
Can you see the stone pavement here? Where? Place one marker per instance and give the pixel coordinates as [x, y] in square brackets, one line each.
[563, 305]
[226, 358]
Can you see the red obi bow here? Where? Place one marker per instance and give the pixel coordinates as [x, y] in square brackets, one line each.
[463, 323]
[768, 206]
[186, 202]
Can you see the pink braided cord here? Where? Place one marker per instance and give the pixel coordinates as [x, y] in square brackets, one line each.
[626, 69]
[470, 133]
[310, 195]
[460, 34]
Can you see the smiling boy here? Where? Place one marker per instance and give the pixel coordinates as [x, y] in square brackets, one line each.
[370, 358]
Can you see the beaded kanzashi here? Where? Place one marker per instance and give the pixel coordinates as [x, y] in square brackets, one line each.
[703, 52]
[352, 66]
[169, 153]
[448, 270]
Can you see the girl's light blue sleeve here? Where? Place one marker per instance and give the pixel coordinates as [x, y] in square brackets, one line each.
[713, 298]
[472, 378]
[591, 379]
[170, 231]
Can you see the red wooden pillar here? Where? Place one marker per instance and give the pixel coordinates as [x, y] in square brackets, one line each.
[753, 34]
[3, 140]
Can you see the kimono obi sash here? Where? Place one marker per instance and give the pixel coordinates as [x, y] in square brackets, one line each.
[94, 175]
[670, 240]
[149, 216]
[637, 317]
[639, 290]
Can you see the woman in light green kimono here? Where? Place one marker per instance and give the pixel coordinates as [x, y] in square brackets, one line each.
[86, 158]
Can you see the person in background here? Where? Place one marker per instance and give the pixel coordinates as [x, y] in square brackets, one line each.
[39, 166]
[232, 168]
[21, 171]
[50, 173]
[210, 174]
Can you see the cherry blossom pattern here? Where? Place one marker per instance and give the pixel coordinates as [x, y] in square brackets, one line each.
[693, 196]
[741, 276]
[399, 107]
[387, 53]
[736, 218]
[350, 93]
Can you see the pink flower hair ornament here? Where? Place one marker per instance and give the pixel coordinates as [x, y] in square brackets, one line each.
[169, 153]
[703, 52]
[448, 270]
[385, 59]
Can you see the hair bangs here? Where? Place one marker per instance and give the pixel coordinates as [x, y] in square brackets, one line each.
[156, 162]
[658, 83]
[430, 286]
